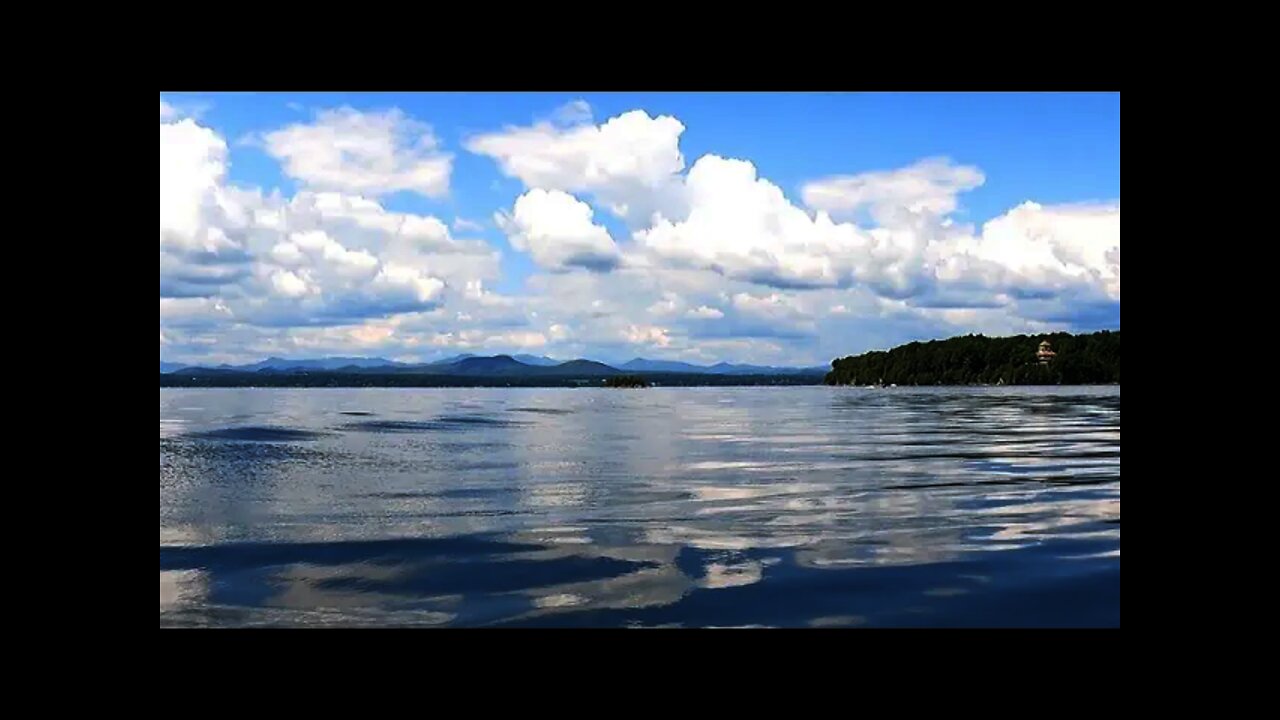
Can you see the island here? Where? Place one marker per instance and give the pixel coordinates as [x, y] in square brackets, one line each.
[1050, 359]
[626, 381]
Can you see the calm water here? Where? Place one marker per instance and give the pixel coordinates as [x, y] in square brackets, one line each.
[694, 507]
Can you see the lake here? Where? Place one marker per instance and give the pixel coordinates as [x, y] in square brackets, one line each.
[662, 507]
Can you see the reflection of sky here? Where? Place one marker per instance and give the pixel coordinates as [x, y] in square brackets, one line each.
[729, 575]
[715, 490]
[181, 589]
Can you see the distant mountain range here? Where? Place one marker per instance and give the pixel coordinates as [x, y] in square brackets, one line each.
[642, 365]
[467, 365]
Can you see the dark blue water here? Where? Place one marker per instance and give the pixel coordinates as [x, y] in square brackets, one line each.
[691, 507]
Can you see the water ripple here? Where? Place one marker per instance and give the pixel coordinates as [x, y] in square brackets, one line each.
[725, 507]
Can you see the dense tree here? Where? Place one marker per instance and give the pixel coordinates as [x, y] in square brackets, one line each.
[979, 360]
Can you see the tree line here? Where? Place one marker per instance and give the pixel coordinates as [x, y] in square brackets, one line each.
[626, 381]
[1088, 359]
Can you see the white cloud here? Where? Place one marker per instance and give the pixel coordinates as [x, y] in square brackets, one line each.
[419, 286]
[760, 304]
[614, 316]
[287, 254]
[929, 187]
[705, 313]
[557, 230]
[646, 335]
[670, 304]
[1050, 247]
[288, 284]
[187, 313]
[167, 111]
[202, 222]
[193, 162]
[317, 247]
[778, 314]
[371, 153]
[629, 163]
[237, 264]
[743, 227]
[461, 224]
[719, 263]
[367, 224]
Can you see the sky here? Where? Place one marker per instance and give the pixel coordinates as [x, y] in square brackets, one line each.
[777, 228]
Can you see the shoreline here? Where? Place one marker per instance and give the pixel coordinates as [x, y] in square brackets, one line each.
[228, 383]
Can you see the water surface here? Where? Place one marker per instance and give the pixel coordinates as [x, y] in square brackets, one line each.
[691, 507]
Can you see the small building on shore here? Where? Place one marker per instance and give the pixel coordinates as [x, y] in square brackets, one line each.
[1045, 353]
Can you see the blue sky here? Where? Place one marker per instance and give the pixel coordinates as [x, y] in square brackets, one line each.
[945, 212]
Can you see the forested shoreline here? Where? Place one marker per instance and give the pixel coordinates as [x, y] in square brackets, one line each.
[1087, 359]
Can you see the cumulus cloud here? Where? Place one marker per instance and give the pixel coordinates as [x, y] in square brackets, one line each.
[716, 262]
[193, 162]
[1050, 247]
[743, 227]
[236, 262]
[629, 163]
[289, 285]
[167, 111]
[721, 216]
[778, 315]
[366, 224]
[557, 230]
[202, 222]
[679, 319]
[414, 283]
[929, 186]
[373, 153]
[649, 335]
